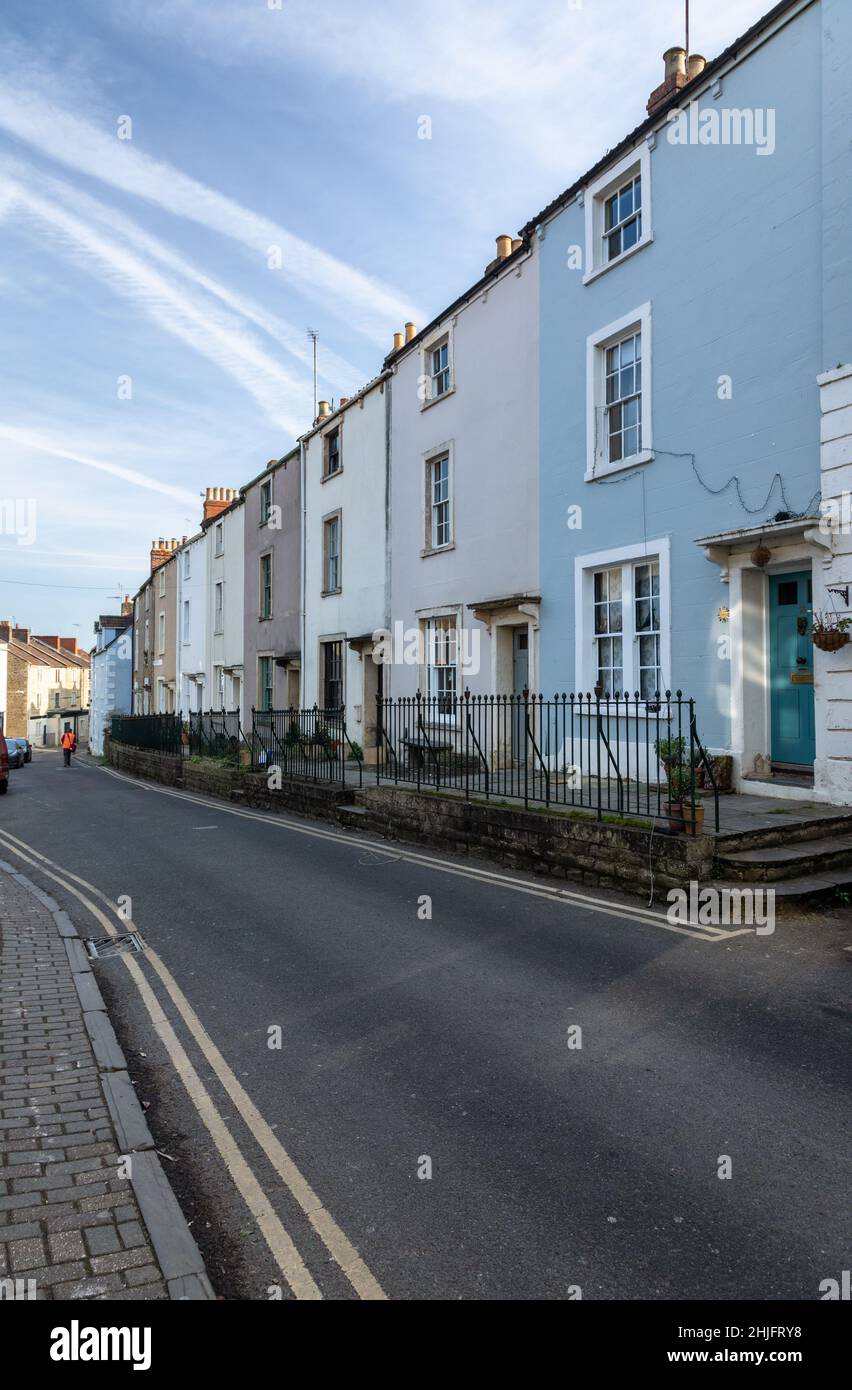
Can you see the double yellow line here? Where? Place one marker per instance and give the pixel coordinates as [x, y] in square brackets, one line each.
[282, 1246]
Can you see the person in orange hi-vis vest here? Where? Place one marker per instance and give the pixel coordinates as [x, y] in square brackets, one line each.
[69, 745]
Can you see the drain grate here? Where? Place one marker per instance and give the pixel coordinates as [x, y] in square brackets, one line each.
[102, 947]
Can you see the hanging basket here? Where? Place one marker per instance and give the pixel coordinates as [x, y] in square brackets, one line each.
[830, 641]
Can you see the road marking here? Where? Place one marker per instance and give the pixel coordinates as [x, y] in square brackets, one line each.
[205, 827]
[289, 1261]
[565, 896]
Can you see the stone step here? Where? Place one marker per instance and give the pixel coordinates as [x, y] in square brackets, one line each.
[792, 828]
[774, 862]
[795, 894]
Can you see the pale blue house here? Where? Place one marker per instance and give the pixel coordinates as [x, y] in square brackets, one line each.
[695, 285]
[111, 673]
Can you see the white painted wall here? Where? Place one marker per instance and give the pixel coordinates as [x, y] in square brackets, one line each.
[225, 647]
[489, 424]
[359, 492]
[833, 670]
[192, 667]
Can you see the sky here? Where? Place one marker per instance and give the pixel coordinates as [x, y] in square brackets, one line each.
[188, 186]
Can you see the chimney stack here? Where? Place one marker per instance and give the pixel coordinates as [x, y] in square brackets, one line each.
[69, 644]
[216, 500]
[47, 641]
[127, 607]
[675, 79]
[5, 632]
[21, 634]
[161, 551]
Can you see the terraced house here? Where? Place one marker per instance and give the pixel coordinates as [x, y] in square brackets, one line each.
[696, 399]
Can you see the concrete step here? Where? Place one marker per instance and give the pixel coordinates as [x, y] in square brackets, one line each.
[776, 862]
[794, 894]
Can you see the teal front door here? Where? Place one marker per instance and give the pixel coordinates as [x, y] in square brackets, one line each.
[791, 668]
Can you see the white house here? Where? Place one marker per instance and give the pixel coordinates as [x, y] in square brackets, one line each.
[194, 683]
[223, 530]
[345, 549]
[464, 490]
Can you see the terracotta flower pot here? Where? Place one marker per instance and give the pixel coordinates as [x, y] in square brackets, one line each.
[682, 818]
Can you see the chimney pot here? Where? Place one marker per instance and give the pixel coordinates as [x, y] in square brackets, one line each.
[398, 340]
[675, 61]
[697, 64]
[504, 247]
[410, 331]
[517, 243]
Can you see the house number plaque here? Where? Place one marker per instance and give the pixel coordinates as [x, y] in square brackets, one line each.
[802, 678]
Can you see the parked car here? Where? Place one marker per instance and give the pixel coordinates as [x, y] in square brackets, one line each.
[28, 749]
[15, 750]
[4, 766]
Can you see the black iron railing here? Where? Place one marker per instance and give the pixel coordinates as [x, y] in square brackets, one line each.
[160, 733]
[611, 755]
[310, 743]
[216, 734]
[618, 755]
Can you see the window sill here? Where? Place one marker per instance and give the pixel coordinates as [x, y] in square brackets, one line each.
[329, 593]
[327, 477]
[606, 470]
[600, 270]
[436, 550]
[264, 617]
[436, 400]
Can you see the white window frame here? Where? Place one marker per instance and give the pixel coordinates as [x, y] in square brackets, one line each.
[161, 633]
[186, 622]
[450, 615]
[442, 335]
[597, 464]
[219, 607]
[219, 538]
[186, 564]
[638, 161]
[327, 521]
[161, 582]
[585, 650]
[442, 451]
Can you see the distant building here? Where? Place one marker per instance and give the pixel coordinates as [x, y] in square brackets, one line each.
[111, 672]
[46, 686]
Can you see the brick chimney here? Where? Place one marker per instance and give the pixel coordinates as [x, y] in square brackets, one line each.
[5, 632]
[676, 78]
[161, 551]
[218, 499]
[127, 607]
[21, 634]
[69, 644]
[47, 641]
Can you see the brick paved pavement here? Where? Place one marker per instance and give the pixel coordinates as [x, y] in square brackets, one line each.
[68, 1221]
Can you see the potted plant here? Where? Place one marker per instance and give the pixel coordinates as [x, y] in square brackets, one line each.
[670, 751]
[682, 815]
[829, 631]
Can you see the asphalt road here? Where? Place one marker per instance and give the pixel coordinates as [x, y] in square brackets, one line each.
[407, 1038]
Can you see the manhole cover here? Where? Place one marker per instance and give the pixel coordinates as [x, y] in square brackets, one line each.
[100, 948]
